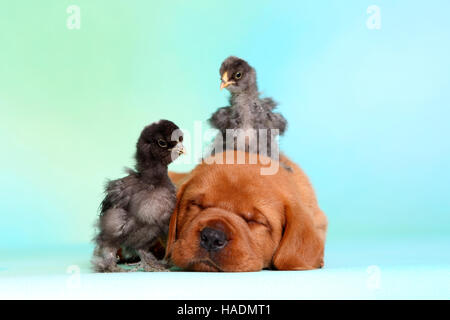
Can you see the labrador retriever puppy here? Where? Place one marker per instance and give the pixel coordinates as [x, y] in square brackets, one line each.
[229, 217]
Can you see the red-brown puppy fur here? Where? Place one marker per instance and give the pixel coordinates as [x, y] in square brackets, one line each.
[271, 221]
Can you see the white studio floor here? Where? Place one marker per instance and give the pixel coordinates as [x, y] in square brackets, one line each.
[394, 269]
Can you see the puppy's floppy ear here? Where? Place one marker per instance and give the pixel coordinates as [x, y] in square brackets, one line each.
[172, 235]
[301, 247]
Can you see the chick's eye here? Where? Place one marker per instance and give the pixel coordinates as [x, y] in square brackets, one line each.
[162, 143]
[238, 75]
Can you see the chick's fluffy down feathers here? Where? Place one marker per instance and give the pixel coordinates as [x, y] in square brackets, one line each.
[247, 113]
[131, 205]
[136, 210]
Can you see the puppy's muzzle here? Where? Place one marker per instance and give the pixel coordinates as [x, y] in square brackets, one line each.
[213, 239]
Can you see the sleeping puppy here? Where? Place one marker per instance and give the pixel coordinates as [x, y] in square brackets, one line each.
[229, 217]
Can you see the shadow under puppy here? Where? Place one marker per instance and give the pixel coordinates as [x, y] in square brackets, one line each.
[136, 210]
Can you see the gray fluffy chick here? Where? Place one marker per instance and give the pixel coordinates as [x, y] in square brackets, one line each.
[136, 210]
[247, 110]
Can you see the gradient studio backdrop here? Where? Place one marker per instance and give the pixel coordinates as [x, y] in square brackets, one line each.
[368, 109]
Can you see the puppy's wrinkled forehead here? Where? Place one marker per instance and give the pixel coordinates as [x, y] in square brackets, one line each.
[226, 194]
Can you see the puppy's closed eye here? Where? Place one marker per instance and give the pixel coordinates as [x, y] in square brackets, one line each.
[196, 202]
[193, 203]
[255, 223]
[255, 218]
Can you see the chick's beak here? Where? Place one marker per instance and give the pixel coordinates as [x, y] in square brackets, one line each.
[225, 82]
[180, 149]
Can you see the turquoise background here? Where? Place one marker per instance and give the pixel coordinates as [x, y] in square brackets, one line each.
[368, 110]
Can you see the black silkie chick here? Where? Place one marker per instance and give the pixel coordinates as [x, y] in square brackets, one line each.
[136, 210]
[247, 110]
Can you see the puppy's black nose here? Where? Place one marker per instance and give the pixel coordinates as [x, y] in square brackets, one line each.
[212, 239]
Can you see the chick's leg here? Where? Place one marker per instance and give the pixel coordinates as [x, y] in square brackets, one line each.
[149, 263]
[113, 226]
[105, 259]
